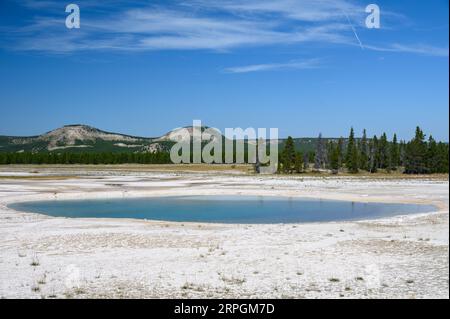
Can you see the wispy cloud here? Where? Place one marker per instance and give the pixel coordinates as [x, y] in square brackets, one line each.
[300, 10]
[412, 48]
[218, 25]
[307, 64]
[197, 26]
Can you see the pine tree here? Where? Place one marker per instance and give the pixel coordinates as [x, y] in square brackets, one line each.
[442, 158]
[288, 155]
[311, 156]
[432, 156]
[402, 149]
[354, 163]
[350, 146]
[364, 152]
[341, 151]
[298, 164]
[352, 158]
[383, 152]
[394, 153]
[416, 154]
[334, 158]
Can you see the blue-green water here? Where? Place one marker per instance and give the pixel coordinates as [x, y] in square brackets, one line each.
[221, 209]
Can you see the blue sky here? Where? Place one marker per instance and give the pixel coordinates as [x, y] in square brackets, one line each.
[145, 67]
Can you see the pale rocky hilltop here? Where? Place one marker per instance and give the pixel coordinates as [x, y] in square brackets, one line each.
[79, 136]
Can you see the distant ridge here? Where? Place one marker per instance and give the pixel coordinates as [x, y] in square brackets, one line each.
[78, 137]
[85, 138]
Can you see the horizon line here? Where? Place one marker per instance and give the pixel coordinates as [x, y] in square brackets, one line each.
[369, 137]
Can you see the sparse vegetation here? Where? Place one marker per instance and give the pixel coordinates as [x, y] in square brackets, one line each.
[187, 285]
[232, 280]
[35, 288]
[333, 280]
[35, 262]
[79, 291]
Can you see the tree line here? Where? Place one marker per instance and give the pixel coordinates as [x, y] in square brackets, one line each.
[418, 156]
[85, 158]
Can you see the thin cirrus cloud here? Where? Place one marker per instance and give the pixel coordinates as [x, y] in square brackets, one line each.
[420, 49]
[181, 27]
[215, 25]
[297, 65]
[299, 10]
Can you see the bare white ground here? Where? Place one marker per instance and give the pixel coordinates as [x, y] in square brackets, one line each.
[45, 257]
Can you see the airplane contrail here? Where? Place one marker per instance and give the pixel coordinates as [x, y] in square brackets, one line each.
[353, 28]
